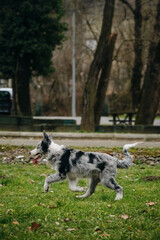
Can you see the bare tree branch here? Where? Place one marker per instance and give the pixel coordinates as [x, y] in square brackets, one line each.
[91, 29]
[120, 46]
[129, 6]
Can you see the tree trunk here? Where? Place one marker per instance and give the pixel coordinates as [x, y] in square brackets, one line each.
[151, 88]
[89, 96]
[22, 80]
[138, 64]
[16, 108]
[104, 78]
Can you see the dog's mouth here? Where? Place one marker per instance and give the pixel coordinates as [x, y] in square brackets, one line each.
[35, 159]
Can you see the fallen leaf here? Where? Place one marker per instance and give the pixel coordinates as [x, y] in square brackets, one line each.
[43, 175]
[15, 223]
[151, 178]
[130, 228]
[124, 216]
[52, 206]
[105, 235]
[144, 211]
[34, 226]
[3, 176]
[150, 204]
[71, 229]
[29, 229]
[97, 229]
[32, 181]
[67, 219]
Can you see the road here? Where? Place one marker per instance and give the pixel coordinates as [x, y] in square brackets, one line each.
[80, 143]
[82, 139]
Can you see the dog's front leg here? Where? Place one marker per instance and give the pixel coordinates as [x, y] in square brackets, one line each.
[73, 186]
[52, 178]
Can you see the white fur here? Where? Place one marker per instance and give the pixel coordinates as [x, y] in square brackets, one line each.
[74, 164]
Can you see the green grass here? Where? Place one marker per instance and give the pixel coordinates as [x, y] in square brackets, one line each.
[28, 213]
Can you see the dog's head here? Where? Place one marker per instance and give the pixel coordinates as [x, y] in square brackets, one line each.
[42, 148]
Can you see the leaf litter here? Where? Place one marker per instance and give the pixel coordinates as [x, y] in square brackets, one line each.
[19, 154]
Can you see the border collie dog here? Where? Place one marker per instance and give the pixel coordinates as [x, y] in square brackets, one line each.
[74, 164]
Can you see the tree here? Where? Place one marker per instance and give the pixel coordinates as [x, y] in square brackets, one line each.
[29, 32]
[104, 78]
[138, 47]
[151, 87]
[97, 69]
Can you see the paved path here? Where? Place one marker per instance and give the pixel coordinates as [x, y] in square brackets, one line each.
[80, 143]
[82, 139]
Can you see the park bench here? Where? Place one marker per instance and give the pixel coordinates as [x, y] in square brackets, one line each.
[127, 118]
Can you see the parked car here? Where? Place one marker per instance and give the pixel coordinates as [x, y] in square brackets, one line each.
[6, 95]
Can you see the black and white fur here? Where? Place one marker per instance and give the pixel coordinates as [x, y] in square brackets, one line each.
[74, 164]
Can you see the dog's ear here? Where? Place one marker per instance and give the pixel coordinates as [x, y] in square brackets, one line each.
[46, 137]
[50, 137]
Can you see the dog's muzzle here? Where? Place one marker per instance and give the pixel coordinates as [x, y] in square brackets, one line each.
[35, 157]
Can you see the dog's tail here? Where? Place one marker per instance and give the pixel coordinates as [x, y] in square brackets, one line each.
[128, 161]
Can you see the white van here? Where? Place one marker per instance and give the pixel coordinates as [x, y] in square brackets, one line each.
[6, 95]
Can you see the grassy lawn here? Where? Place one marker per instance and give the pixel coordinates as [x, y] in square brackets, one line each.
[28, 213]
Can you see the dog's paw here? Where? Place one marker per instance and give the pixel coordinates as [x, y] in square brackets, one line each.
[79, 196]
[46, 191]
[46, 188]
[118, 197]
[82, 196]
[81, 189]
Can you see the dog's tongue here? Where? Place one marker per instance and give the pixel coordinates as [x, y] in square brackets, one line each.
[35, 160]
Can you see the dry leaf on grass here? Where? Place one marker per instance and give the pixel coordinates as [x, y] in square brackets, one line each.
[15, 223]
[124, 216]
[151, 178]
[105, 235]
[44, 175]
[52, 206]
[67, 219]
[32, 181]
[71, 229]
[97, 229]
[34, 226]
[150, 204]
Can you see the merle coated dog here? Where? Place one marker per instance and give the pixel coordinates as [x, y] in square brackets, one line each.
[74, 164]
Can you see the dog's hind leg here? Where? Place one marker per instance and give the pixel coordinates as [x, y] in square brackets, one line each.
[111, 183]
[50, 179]
[93, 183]
[73, 186]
